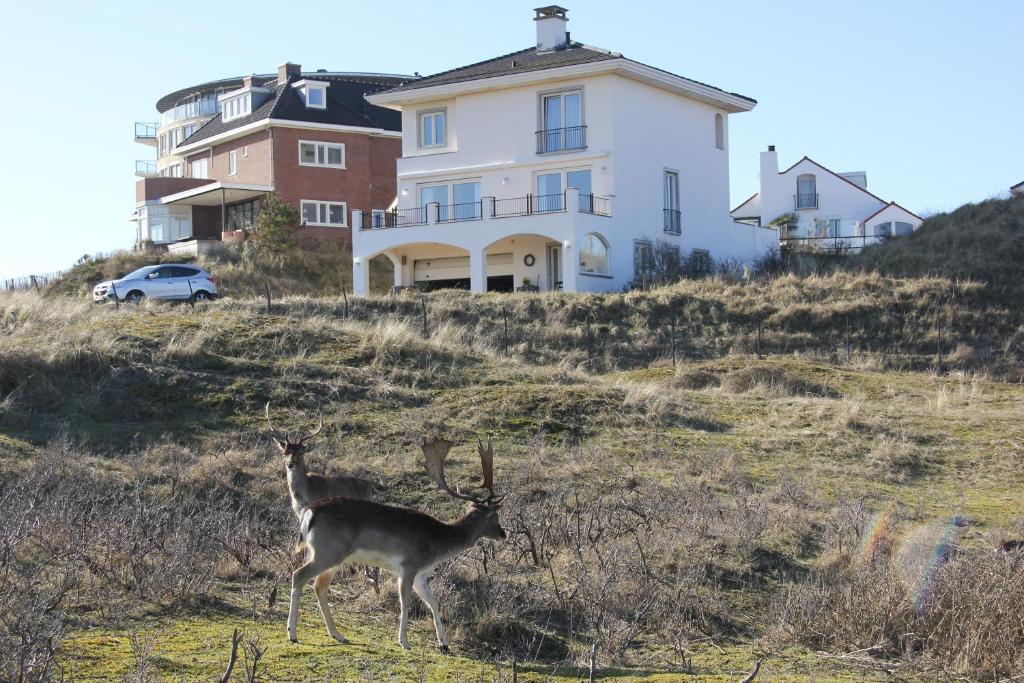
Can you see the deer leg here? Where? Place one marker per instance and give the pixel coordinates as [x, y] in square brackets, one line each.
[404, 597]
[422, 589]
[300, 577]
[321, 585]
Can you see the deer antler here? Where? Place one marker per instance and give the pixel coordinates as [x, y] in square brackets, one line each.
[435, 452]
[487, 465]
[273, 432]
[315, 431]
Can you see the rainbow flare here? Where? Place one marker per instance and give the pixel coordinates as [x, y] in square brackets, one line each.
[875, 532]
[940, 556]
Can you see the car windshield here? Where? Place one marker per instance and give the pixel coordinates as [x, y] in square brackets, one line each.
[140, 273]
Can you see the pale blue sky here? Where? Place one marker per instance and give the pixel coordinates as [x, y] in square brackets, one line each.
[926, 96]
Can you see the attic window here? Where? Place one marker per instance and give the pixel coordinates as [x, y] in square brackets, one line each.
[237, 107]
[314, 93]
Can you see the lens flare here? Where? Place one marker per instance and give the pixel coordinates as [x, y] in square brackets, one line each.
[876, 532]
[922, 555]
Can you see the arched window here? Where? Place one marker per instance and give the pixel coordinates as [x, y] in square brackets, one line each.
[719, 131]
[593, 254]
[806, 192]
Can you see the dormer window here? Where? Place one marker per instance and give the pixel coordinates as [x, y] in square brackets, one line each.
[314, 93]
[237, 106]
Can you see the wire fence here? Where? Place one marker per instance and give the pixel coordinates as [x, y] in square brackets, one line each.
[37, 282]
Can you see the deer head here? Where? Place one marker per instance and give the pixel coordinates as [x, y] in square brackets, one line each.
[292, 449]
[435, 453]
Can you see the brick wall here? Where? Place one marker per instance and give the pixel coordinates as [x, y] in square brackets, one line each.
[253, 153]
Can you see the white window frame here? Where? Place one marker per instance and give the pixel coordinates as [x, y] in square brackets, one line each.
[323, 203]
[323, 95]
[233, 162]
[377, 218]
[325, 145]
[203, 163]
[421, 117]
[607, 256]
[236, 107]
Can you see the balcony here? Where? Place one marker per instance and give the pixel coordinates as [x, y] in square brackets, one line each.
[208, 106]
[146, 169]
[673, 221]
[487, 208]
[146, 132]
[805, 202]
[561, 139]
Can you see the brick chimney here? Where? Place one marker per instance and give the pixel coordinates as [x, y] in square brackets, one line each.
[551, 34]
[288, 69]
[247, 82]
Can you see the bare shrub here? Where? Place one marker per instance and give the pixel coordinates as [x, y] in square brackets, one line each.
[773, 381]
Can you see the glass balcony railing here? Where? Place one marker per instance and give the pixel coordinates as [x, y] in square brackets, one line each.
[190, 110]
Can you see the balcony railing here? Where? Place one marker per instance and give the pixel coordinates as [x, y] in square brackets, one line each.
[673, 221]
[208, 106]
[561, 139]
[146, 132]
[450, 213]
[399, 218]
[146, 169]
[528, 205]
[591, 203]
[804, 202]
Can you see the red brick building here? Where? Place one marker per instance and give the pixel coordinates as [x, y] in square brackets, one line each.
[310, 137]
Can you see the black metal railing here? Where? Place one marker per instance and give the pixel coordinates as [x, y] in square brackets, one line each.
[398, 218]
[451, 213]
[673, 221]
[529, 205]
[145, 130]
[145, 168]
[591, 203]
[805, 201]
[560, 139]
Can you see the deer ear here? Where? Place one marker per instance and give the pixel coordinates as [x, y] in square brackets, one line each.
[280, 444]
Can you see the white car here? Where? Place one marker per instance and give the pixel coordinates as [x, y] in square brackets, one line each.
[165, 281]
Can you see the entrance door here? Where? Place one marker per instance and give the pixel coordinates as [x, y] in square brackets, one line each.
[554, 267]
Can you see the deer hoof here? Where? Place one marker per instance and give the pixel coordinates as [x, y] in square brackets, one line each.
[340, 638]
[444, 648]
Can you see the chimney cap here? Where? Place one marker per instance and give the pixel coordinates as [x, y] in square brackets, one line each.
[551, 11]
[771, 148]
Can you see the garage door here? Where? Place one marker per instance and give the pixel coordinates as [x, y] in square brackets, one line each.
[457, 267]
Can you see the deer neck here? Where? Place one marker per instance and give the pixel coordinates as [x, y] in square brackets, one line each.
[298, 487]
[467, 530]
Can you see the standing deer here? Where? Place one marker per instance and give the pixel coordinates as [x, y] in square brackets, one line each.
[407, 542]
[304, 487]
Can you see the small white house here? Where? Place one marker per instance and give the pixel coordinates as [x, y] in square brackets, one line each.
[1017, 190]
[832, 210]
[560, 166]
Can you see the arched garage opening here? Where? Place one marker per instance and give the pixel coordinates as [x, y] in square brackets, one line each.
[524, 262]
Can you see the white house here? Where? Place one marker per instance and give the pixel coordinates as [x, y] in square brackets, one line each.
[833, 210]
[1017, 190]
[561, 165]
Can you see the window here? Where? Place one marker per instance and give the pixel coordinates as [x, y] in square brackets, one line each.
[182, 271]
[883, 230]
[594, 254]
[172, 171]
[198, 168]
[237, 107]
[719, 131]
[325, 154]
[673, 218]
[377, 218]
[465, 200]
[167, 141]
[806, 192]
[316, 96]
[643, 260]
[232, 162]
[331, 214]
[700, 262]
[561, 122]
[903, 228]
[245, 150]
[433, 128]
[243, 216]
[188, 129]
[550, 187]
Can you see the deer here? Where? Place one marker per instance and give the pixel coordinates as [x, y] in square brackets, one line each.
[404, 541]
[305, 488]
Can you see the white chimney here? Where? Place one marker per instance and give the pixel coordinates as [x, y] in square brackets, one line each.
[551, 33]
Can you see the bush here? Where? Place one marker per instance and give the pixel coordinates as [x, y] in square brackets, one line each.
[274, 233]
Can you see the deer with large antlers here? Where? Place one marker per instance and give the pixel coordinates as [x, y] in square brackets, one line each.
[407, 542]
[305, 487]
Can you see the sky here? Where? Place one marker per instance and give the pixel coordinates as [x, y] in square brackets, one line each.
[926, 96]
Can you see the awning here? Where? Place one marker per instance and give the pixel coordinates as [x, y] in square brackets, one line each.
[217, 193]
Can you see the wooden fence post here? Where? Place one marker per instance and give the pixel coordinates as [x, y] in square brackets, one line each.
[593, 661]
[344, 295]
[504, 316]
[423, 304]
[191, 296]
[759, 340]
[673, 341]
[266, 290]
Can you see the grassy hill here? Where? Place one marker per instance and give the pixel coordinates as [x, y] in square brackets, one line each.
[983, 242]
[830, 506]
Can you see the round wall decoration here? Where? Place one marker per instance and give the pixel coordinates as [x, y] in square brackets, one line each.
[529, 260]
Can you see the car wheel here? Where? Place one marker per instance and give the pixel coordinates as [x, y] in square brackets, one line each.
[202, 295]
[134, 297]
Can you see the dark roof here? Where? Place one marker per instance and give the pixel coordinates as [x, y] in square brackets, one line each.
[531, 59]
[1014, 187]
[346, 106]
